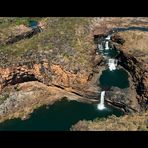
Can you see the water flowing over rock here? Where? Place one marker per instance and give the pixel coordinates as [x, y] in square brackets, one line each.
[101, 104]
[106, 46]
[112, 63]
[108, 37]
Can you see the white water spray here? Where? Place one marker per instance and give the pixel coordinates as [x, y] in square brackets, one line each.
[108, 37]
[101, 104]
[112, 63]
[106, 46]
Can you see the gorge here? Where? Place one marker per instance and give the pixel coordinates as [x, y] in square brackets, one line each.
[91, 66]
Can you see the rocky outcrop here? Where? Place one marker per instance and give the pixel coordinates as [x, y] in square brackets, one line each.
[119, 98]
[67, 79]
[31, 95]
[25, 35]
[23, 98]
[43, 72]
[97, 60]
[20, 74]
[38, 80]
[117, 39]
[135, 67]
[139, 76]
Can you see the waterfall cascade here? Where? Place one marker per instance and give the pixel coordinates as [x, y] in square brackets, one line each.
[108, 37]
[112, 63]
[101, 104]
[106, 46]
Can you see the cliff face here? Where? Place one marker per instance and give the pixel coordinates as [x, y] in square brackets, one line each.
[44, 73]
[133, 57]
[139, 76]
[58, 57]
[20, 101]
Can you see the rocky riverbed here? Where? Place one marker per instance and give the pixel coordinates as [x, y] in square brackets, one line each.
[60, 60]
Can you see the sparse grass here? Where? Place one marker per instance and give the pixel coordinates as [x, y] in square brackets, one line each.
[7, 25]
[3, 97]
[135, 40]
[133, 122]
[61, 33]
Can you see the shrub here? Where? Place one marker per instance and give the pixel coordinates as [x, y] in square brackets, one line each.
[3, 97]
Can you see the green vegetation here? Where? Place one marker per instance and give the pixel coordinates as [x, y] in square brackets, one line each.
[3, 97]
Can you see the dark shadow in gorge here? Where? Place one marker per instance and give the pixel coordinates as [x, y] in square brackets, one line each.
[20, 79]
[27, 35]
[120, 29]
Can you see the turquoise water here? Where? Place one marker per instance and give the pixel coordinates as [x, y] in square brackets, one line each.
[118, 78]
[33, 24]
[59, 117]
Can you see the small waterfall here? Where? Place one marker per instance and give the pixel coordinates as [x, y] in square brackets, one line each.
[107, 41]
[108, 37]
[101, 104]
[106, 46]
[112, 63]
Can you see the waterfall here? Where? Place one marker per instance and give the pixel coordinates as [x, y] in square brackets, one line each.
[108, 37]
[106, 46]
[112, 63]
[101, 104]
